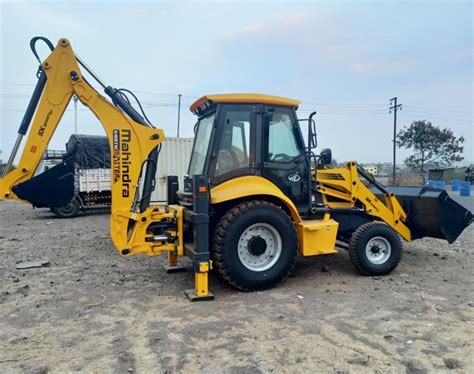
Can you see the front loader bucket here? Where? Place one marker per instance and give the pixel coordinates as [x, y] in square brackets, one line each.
[432, 213]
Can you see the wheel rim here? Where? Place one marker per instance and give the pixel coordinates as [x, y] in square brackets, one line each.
[259, 247]
[378, 250]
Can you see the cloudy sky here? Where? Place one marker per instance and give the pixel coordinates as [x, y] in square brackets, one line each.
[343, 59]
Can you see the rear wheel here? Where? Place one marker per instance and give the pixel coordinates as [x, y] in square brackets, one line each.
[68, 211]
[254, 245]
[375, 249]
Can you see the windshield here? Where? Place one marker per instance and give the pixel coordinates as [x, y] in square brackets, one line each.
[201, 145]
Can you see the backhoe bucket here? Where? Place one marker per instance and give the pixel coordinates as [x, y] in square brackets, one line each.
[432, 213]
[53, 188]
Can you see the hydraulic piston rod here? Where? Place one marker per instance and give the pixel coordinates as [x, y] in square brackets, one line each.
[25, 123]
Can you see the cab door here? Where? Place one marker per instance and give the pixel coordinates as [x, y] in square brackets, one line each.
[284, 159]
[233, 154]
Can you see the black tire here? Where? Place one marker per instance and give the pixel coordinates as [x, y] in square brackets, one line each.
[372, 257]
[228, 238]
[68, 211]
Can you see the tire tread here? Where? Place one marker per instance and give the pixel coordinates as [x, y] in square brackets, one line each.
[223, 226]
[355, 243]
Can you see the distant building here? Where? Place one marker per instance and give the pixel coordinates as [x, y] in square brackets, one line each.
[372, 169]
[384, 169]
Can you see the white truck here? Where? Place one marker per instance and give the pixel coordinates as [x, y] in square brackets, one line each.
[80, 178]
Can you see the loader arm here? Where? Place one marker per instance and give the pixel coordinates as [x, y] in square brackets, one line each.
[134, 147]
[413, 212]
[342, 188]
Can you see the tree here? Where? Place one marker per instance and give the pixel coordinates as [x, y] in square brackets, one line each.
[431, 146]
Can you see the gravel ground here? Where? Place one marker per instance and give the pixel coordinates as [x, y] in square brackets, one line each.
[92, 310]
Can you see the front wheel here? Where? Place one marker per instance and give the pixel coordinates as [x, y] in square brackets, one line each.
[255, 245]
[375, 249]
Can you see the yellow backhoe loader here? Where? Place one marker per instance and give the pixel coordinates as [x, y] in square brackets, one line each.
[256, 194]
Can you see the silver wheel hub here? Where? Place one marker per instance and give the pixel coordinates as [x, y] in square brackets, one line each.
[259, 247]
[378, 250]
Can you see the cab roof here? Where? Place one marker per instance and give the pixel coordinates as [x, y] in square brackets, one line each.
[241, 98]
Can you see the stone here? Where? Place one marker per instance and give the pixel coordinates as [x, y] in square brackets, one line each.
[451, 363]
[358, 360]
[415, 367]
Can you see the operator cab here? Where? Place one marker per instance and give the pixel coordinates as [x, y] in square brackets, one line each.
[251, 134]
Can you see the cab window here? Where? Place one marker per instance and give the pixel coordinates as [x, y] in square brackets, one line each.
[281, 145]
[233, 152]
[201, 145]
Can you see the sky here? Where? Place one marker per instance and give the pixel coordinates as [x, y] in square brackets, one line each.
[343, 59]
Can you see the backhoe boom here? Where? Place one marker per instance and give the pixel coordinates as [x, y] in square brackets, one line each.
[132, 142]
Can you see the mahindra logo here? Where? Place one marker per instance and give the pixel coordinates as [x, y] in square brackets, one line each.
[121, 159]
[294, 178]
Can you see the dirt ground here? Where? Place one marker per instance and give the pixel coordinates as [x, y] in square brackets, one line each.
[92, 310]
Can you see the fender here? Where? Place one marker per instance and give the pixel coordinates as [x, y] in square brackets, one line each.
[250, 186]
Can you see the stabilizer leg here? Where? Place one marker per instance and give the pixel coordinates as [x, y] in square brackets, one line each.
[199, 251]
[201, 285]
[173, 266]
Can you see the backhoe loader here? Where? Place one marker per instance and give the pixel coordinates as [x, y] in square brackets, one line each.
[256, 195]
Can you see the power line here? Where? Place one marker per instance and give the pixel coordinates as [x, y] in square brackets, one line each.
[136, 91]
[20, 96]
[436, 110]
[153, 103]
[18, 84]
[444, 112]
[436, 115]
[344, 113]
[165, 94]
[429, 116]
[304, 102]
[348, 109]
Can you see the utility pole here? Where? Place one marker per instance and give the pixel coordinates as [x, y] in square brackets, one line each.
[395, 107]
[179, 112]
[75, 113]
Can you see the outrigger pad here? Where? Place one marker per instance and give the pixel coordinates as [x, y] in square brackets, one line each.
[174, 269]
[191, 295]
[432, 213]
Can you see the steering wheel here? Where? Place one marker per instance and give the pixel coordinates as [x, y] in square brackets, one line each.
[282, 157]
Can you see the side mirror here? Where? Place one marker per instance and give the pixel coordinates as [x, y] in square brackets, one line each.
[312, 139]
[326, 156]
